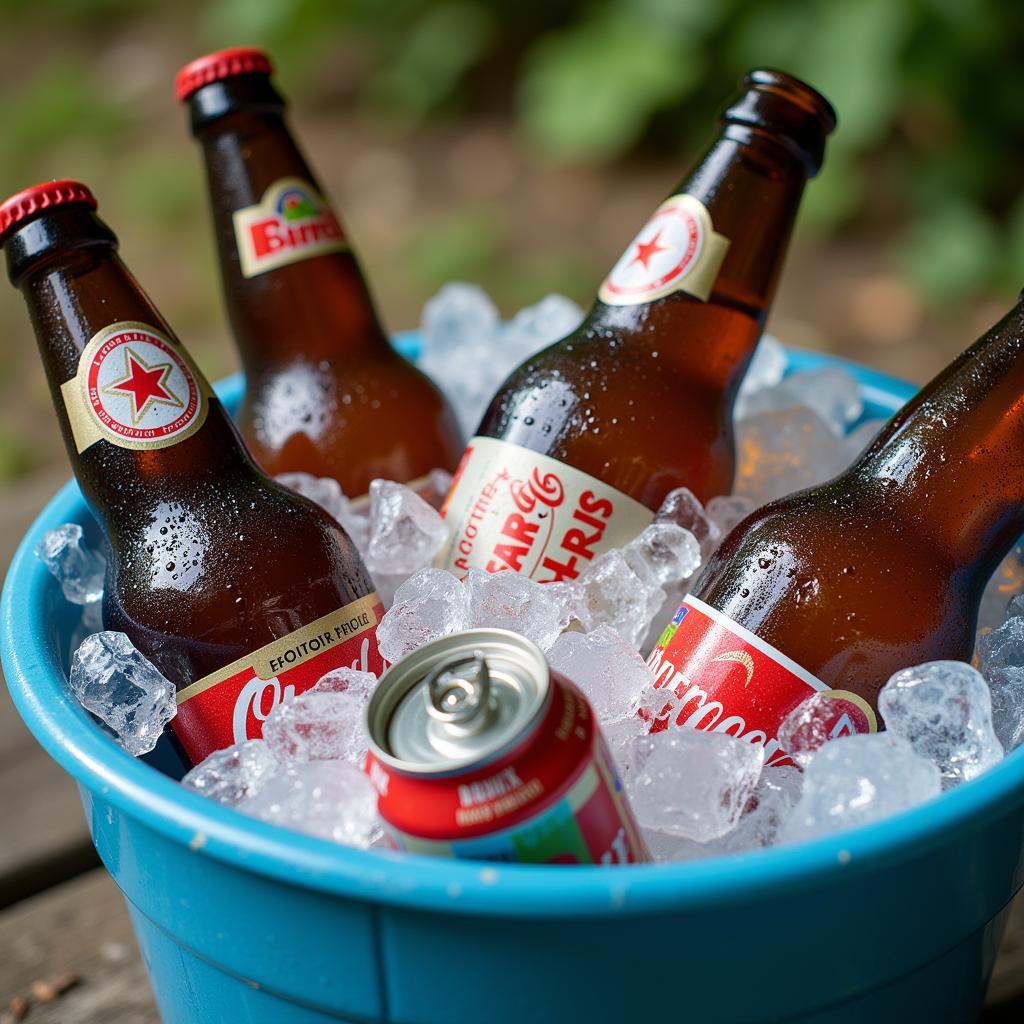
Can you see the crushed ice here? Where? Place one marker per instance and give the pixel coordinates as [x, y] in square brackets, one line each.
[695, 794]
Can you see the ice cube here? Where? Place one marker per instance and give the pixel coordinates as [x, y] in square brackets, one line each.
[664, 553]
[773, 800]
[785, 450]
[859, 779]
[330, 799]
[682, 508]
[1001, 659]
[78, 569]
[692, 783]
[431, 603]
[944, 710]
[346, 680]
[727, 510]
[607, 669]
[811, 724]
[319, 725]
[767, 367]
[405, 532]
[537, 326]
[461, 349]
[234, 773]
[829, 391]
[459, 317]
[125, 690]
[327, 493]
[613, 593]
[572, 608]
[506, 600]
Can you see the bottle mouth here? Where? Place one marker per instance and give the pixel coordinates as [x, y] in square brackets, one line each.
[215, 67]
[31, 202]
[796, 91]
[788, 109]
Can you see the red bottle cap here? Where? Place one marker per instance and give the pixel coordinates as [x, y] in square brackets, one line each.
[242, 60]
[31, 201]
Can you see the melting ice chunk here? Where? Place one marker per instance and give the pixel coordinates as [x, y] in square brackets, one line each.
[78, 569]
[692, 783]
[506, 600]
[859, 779]
[330, 799]
[431, 603]
[124, 689]
[1001, 654]
[230, 775]
[405, 532]
[944, 710]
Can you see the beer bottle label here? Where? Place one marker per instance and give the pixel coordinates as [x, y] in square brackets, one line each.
[676, 250]
[135, 388]
[230, 705]
[716, 675]
[291, 222]
[513, 508]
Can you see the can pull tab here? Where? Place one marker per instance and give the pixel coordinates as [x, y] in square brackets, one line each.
[458, 693]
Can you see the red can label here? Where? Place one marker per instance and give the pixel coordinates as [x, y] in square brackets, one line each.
[511, 508]
[676, 250]
[134, 388]
[720, 677]
[555, 799]
[291, 222]
[231, 705]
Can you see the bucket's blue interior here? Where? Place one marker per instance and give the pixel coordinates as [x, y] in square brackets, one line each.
[35, 624]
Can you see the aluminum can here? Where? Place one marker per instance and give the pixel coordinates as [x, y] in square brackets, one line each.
[478, 750]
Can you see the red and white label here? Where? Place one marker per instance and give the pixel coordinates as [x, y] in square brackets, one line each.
[291, 222]
[231, 705]
[135, 388]
[716, 675]
[513, 509]
[676, 250]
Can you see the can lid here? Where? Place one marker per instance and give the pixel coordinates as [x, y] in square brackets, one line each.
[457, 702]
[240, 60]
[31, 201]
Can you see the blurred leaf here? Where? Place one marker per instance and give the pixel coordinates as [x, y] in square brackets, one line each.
[434, 54]
[461, 247]
[16, 456]
[587, 92]
[950, 251]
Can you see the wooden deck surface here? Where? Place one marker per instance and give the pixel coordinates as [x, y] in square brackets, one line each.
[62, 920]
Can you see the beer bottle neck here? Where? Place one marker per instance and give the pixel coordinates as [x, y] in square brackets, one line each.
[704, 269]
[283, 278]
[75, 286]
[950, 465]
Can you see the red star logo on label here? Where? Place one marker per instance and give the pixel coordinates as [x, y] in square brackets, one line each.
[645, 250]
[145, 383]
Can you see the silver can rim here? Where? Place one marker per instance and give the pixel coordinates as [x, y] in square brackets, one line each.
[404, 675]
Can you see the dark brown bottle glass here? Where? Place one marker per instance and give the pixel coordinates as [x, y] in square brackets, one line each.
[597, 429]
[837, 587]
[236, 589]
[325, 392]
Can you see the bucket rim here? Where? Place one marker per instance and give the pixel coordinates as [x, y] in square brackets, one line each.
[32, 667]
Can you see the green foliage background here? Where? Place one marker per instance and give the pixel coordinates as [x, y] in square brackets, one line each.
[931, 121]
[926, 167]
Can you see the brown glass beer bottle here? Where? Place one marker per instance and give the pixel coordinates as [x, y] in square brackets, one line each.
[239, 591]
[835, 588]
[583, 441]
[325, 392]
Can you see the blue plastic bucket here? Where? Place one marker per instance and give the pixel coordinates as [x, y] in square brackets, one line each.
[240, 921]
